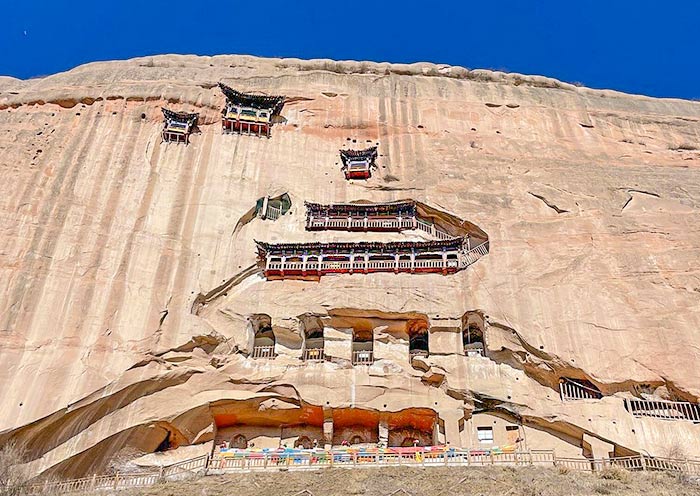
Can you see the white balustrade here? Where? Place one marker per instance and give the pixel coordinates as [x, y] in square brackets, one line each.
[362, 357]
[313, 355]
[663, 409]
[263, 352]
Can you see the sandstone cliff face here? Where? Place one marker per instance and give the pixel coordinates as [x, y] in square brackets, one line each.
[127, 276]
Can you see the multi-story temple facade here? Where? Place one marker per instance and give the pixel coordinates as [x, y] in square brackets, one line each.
[447, 254]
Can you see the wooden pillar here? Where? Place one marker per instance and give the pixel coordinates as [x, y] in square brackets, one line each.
[383, 429]
[263, 211]
[450, 420]
[327, 428]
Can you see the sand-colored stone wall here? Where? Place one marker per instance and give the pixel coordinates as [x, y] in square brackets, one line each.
[127, 280]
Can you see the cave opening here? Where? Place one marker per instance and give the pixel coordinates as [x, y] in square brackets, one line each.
[362, 346]
[418, 338]
[473, 341]
[264, 337]
[312, 328]
[164, 444]
[578, 389]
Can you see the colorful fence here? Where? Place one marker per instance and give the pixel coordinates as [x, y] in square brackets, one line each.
[298, 459]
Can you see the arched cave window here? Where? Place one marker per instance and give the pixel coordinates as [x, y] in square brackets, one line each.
[313, 338]
[362, 346]
[417, 338]
[473, 339]
[264, 340]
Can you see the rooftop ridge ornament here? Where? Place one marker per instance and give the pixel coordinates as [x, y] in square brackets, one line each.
[178, 126]
[246, 113]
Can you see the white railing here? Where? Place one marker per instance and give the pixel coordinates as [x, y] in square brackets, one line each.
[313, 355]
[122, 481]
[434, 456]
[417, 353]
[471, 256]
[186, 466]
[394, 223]
[263, 352]
[474, 349]
[572, 390]
[362, 357]
[273, 213]
[361, 265]
[662, 409]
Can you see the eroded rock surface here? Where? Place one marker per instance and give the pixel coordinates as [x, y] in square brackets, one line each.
[127, 289]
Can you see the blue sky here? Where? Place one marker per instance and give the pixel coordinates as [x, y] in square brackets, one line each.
[642, 46]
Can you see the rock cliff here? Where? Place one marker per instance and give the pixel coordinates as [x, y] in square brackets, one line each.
[129, 290]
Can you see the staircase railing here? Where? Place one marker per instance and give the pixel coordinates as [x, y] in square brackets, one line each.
[471, 256]
[572, 390]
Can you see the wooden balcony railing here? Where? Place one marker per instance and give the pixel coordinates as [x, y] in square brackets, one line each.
[360, 265]
[384, 223]
[273, 213]
[417, 353]
[263, 352]
[362, 357]
[474, 349]
[313, 355]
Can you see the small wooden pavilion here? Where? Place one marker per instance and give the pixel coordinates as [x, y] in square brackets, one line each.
[247, 113]
[358, 164]
[178, 126]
